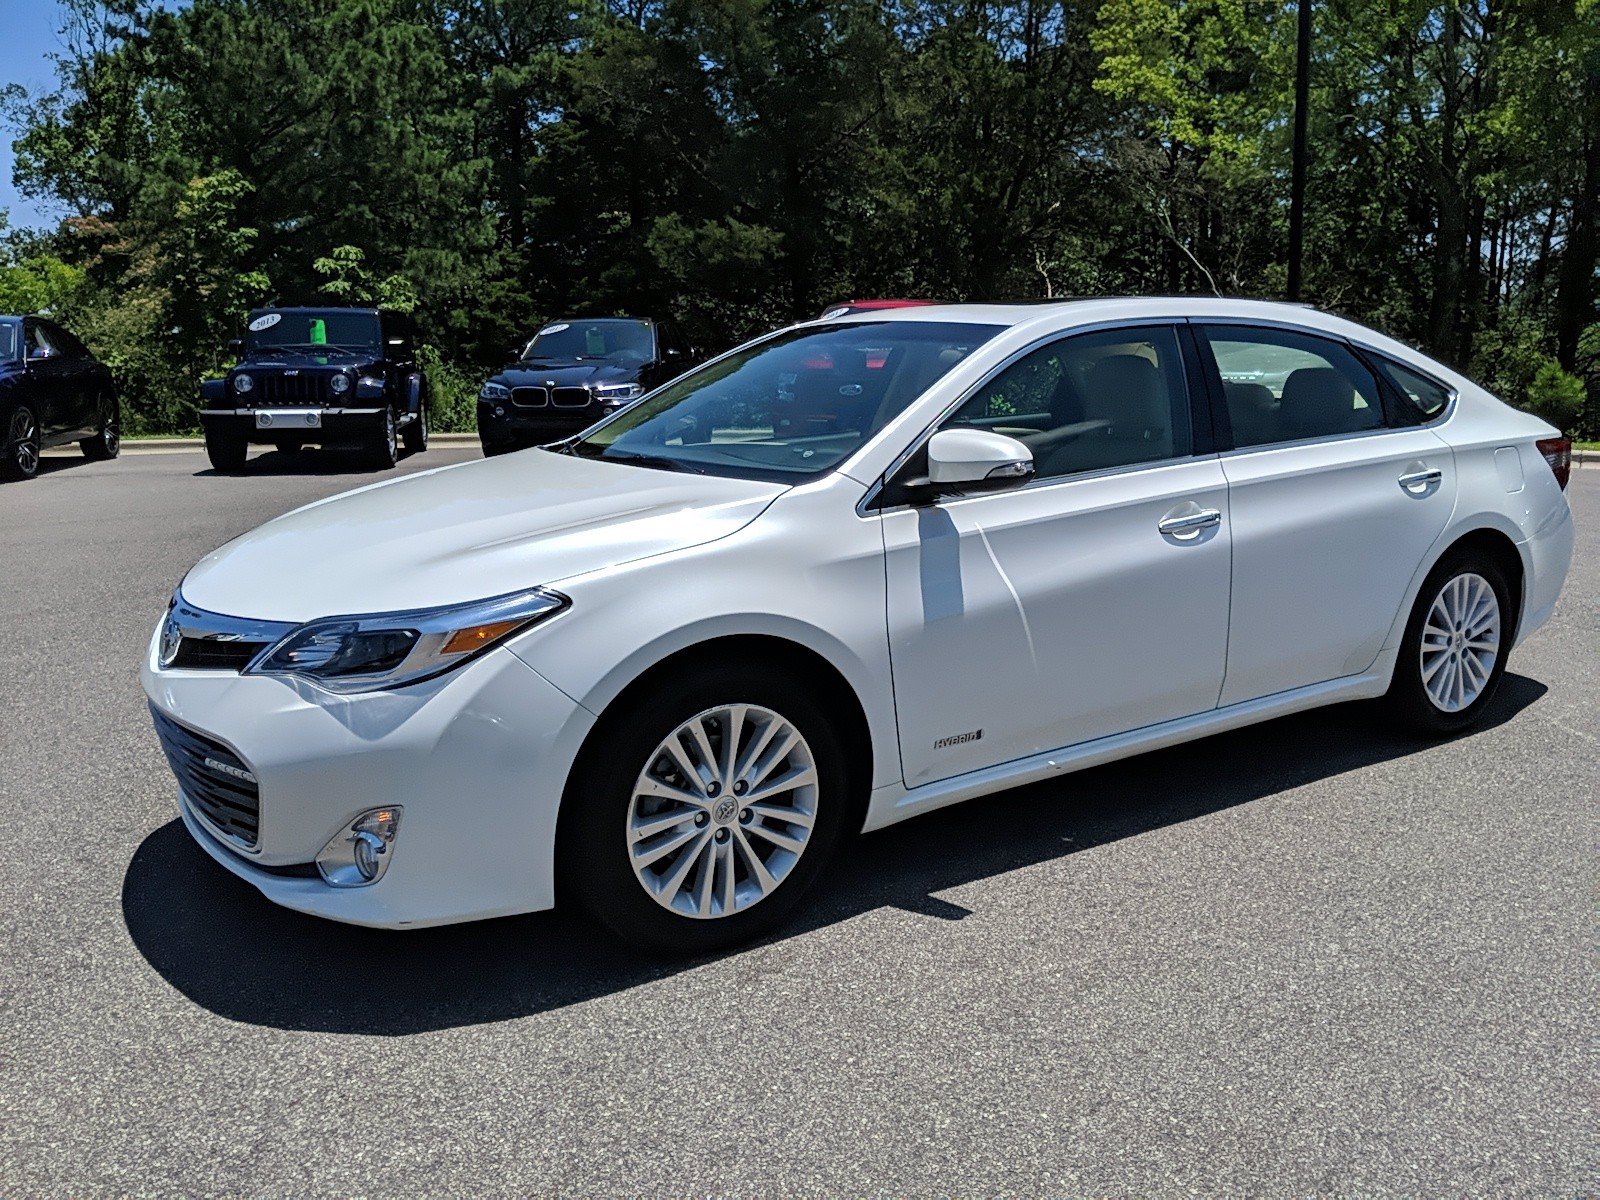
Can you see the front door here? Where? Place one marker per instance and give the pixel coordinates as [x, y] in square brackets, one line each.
[1092, 601]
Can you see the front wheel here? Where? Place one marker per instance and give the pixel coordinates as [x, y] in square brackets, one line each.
[20, 457]
[227, 451]
[106, 444]
[385, 450]
[701, 816]
[1453, 655]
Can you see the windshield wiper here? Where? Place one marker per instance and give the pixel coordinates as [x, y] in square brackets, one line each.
[651, 460]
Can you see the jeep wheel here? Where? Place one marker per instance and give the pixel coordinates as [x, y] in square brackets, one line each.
[106, 444]
[385, 449]
[415, 435]
[20, 459]
[227, 451]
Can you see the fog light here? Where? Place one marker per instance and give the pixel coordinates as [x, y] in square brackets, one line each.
[360, 853]
[313, 419]
[498, 411]
[264, 419]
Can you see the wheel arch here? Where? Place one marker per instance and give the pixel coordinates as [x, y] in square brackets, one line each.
[1485, 535]
[833, 689]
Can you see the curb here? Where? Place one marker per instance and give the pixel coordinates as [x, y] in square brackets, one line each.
[171, 445]
[1586, 456]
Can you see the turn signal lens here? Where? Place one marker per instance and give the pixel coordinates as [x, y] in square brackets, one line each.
[1557, 454]
[465, 641]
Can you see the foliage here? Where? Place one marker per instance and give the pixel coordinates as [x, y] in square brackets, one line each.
[487, 164]
[1555, 396]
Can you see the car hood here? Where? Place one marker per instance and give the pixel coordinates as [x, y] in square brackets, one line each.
[467, 532]
[581, 374]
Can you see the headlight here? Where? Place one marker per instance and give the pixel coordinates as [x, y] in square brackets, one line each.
[495, 391]
[617, 393]
[242, 383]
[339, 384]
[388, 650]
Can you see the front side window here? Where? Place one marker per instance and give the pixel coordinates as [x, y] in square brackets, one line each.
[336, 329]
[611, 339]
[1426, 398]
[66, 343]
[1283, 386]
[1090, 402]
[790, 407]
[9, 342]
[39, 344]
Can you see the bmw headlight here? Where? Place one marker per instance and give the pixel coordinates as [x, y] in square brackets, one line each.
[495, 391]
[617, 393]
[388, 650]
[242, 383]
[339, 384]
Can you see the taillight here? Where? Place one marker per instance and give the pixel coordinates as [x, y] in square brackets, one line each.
[1557, 452]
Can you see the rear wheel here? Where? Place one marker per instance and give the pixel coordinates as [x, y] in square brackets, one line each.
[107, 443]
[701, 816]
[226, 450]
[20, 459]
[385, 449]
[1453, 655]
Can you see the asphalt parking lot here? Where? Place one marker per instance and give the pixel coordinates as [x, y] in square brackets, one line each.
[1308, 957]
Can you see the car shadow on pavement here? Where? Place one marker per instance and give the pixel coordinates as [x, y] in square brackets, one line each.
[215, 939]
[312, 460]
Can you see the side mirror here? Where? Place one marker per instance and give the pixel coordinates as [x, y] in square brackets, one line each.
[976, 460]
[674, 352]
[236, 345]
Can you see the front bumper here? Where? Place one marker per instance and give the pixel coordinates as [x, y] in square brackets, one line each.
[477, 758]
[501, 423]
[334, 425]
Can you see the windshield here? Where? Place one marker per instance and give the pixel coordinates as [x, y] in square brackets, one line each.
[8, 340]
[608, 340]
[789, 408]
[338, 328]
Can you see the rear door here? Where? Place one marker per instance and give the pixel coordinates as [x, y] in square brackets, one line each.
[1333, 505]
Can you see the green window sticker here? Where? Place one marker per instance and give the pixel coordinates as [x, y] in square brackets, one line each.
[319, 332]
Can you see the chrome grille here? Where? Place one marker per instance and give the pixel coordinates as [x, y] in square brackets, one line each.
[276, 388]
[569, 397]
[530, 397]
[216, 781]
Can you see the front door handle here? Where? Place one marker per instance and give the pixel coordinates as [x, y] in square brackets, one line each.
[1188, 526]
[1417, 482]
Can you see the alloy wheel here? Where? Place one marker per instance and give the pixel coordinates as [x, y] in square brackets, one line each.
[722, 811]
[24, 438]
[1460, 642]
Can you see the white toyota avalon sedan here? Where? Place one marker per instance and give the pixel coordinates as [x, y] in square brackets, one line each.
[845, 574]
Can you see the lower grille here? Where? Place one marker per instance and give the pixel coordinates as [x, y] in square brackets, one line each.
[530, 397]
[219, 785]
[569, 397]
[212, 654]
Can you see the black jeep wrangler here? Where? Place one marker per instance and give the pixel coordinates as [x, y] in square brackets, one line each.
[333, 376]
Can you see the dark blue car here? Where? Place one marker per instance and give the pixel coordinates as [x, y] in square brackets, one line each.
[52, 391]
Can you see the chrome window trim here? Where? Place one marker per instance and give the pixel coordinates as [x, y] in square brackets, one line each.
[864, 505]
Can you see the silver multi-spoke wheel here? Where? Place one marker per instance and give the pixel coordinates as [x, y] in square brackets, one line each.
[1460, 642]
[722, 811]
[24, 439]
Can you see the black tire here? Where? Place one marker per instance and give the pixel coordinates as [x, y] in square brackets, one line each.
[492, 449]
[19, 453]
[415, 435]
[384, 449]
[592, 859]
[227, 451]
[1408, 697]
[107, 443]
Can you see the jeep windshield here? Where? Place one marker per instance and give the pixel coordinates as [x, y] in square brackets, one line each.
[788, 408]
[607, 339]
[311, 331]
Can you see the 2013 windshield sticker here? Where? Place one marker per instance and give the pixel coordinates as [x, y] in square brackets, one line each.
[266, 322]
[551, 329]
[958, 739]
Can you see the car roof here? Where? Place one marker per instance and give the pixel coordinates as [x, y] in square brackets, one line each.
[290, 308]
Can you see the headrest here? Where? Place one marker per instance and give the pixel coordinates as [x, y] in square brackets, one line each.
[1126, 390]
[1317, 400]
[1244, 396]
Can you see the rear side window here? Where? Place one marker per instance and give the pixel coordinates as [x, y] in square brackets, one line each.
[1423, 398]
[1090, 402]
[1283, 386]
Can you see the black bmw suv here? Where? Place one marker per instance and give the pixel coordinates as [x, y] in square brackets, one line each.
[573, 372]
[52, 391]
[325, 375]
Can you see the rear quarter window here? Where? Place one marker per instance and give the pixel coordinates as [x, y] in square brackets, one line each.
[1423, 398]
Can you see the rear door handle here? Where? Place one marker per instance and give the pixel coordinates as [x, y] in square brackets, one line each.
[1189, 525]
[1415, 482]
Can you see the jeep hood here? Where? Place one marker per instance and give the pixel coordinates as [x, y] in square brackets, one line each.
[467, 532]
